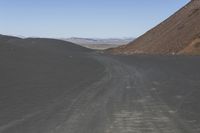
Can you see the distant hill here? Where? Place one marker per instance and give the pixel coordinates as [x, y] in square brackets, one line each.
[5, 38]
[99, 43]
[42, 63]
[179, 34]
[45, 44]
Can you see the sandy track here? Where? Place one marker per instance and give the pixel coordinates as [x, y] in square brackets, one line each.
[119, 102]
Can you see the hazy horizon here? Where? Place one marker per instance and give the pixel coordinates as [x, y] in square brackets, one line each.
[84, 19]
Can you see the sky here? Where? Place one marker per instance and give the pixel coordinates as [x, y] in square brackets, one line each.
[84, 18]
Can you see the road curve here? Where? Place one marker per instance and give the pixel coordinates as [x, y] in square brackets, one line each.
[119, 102]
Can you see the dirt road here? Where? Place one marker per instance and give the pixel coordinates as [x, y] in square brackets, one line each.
[123, 100]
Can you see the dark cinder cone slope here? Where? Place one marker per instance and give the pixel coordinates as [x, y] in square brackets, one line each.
[179, 34]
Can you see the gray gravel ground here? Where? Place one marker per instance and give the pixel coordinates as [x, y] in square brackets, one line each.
[95, 93]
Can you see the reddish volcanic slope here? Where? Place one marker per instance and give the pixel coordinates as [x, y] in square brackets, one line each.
[179, 34]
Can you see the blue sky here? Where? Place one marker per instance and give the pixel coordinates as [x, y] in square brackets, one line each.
[83, 18]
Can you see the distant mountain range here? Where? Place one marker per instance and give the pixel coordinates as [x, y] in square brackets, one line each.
[92, 43]
[97, 43]
[179, 34]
